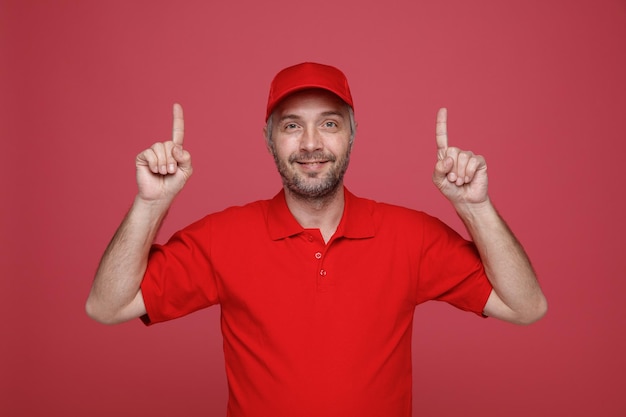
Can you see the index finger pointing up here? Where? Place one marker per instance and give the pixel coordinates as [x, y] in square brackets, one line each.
[441, 132]
[178, 128]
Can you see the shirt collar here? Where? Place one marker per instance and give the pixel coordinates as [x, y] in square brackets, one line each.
[356, 222]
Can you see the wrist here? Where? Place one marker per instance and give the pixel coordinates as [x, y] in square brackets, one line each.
[151, 208]
[474, 210]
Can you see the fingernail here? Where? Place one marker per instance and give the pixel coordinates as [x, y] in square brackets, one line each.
[172, 168]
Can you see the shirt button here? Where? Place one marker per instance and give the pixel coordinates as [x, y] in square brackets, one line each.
[323, 272]
[310, 238]
[318, 255]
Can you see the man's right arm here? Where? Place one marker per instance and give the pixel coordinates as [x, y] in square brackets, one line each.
[115, 294]
[162, 171]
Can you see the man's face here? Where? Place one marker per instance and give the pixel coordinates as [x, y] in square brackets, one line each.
[311, 142]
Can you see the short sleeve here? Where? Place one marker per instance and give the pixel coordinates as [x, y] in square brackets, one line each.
[451, 269]
[179, 278]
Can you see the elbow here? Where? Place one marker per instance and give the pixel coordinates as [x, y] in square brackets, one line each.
[97, 313]
[538, 310]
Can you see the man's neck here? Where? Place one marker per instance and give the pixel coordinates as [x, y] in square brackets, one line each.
[322, 213]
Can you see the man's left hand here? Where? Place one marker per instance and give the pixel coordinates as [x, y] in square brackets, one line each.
[460, 175]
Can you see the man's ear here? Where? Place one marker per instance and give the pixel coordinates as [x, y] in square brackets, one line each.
[267, 140]
[353, 134]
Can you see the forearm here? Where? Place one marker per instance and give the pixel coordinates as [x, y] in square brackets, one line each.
[519, 296]
[115, 293]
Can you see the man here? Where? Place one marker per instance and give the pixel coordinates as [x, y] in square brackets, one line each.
[317, 286]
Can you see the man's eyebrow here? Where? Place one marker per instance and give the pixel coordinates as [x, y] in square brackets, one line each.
[289, 117]
[332, 113]
[292, 116]
[322, 114]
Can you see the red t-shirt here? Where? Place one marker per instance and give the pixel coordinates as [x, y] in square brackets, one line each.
[315, 329]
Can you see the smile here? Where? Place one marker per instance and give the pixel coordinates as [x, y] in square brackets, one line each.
[312, 166]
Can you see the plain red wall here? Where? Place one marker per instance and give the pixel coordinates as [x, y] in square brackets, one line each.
[538, 87]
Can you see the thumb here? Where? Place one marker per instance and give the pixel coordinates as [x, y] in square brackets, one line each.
[183, 158]
[442, 169]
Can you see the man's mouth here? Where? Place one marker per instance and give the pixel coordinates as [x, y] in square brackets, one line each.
[312, 162]
[311, 158]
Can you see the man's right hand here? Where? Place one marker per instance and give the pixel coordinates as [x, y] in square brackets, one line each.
[164, 168]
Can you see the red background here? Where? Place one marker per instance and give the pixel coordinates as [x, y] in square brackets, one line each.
[538, 87]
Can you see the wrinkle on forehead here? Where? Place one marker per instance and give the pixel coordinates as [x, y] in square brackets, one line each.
[294, 116]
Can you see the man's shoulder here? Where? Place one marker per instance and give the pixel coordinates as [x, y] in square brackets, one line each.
[396, 221]
[386, 209]
[240, 212]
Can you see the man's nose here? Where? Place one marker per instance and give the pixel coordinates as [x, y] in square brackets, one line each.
[311, 140]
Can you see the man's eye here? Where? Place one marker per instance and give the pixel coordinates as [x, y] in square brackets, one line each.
[291, 126]
[330, 124]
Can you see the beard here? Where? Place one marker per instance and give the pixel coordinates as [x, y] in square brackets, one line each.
[312, 187]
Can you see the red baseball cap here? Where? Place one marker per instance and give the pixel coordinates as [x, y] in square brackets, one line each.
[304, 76]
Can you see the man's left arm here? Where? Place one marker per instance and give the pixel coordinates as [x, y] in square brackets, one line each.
[462, 178]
